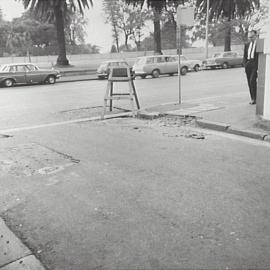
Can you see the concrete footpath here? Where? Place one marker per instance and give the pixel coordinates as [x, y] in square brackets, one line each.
[239, 118]
[14, 255]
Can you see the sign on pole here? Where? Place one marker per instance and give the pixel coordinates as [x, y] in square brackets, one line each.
[185, 17]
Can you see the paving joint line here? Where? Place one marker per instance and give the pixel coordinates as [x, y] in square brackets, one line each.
[18, 259]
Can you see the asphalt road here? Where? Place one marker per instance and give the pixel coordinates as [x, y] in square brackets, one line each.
[39, 104]
[134, 194]
[129, 193]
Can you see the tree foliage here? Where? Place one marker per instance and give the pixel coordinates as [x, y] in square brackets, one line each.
[229, 10]
[158, 7]
[30, 35]
[55, 10]
[125, 20]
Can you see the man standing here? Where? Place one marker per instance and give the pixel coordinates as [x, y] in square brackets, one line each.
[250, 62]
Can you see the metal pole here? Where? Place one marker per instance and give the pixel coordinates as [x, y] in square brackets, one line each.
[207, 29]
[179, 61]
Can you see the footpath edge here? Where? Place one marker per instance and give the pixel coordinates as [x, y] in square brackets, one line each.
[211, 125]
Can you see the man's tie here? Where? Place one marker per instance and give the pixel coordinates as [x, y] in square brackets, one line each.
[251, 50]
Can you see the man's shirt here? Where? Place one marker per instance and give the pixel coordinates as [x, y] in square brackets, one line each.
[251, 50]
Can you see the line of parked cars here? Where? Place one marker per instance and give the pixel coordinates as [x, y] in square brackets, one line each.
[154, 66]
[157, 65]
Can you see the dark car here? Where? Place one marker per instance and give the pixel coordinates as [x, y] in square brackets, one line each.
[224, 60]
[104, 68]
[26, 73]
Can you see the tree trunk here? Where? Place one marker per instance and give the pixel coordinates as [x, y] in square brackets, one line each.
[157, 36]
[126, 41]
[59, 23]
[227, 37]
[116, 37]
[227, 40]
[138, 45]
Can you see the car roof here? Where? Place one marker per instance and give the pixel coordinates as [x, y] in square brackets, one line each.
[161, 55]
[114, 60]
[227, 52]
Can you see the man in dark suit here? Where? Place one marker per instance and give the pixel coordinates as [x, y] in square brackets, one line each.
[250, 62]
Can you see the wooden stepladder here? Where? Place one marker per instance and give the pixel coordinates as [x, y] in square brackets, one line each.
[120, 74]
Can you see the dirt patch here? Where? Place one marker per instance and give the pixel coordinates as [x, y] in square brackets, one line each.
[32, 159]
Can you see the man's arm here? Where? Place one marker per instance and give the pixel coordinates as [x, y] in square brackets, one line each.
[245, 55]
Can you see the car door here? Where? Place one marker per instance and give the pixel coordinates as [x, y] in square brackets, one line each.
[229, 58]
[172, 64]
[238, 59]
[149, 65]
[33, 74]
[18, 73]
[161, 64]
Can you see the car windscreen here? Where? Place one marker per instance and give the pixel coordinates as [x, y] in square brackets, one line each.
[217, 55]
[32, 67]
[4, 68]
[103, 65]
[140, 61]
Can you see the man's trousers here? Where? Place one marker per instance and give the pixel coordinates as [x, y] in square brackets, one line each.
[251, 72]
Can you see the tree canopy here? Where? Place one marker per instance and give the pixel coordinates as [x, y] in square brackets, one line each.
[55, 10]
[228, 9]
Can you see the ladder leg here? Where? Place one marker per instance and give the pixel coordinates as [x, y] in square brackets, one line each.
[111, 94]
[131, 98]
[105, 100]
[135, 94]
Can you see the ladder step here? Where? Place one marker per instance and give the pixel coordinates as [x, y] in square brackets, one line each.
[117, 97]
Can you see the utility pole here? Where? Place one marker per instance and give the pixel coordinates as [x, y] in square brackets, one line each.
[207, 29]
[185, 17]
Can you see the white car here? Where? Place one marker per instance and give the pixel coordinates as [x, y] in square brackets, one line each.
[104, 68]
[224, 60]
[193, 65]
[156, 65]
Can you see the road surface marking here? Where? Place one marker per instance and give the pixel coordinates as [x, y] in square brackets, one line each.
[95, 118]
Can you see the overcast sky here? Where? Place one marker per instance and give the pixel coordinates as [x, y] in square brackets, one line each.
[98, 32]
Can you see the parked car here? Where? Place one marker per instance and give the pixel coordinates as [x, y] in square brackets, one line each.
[224, 60]
[193, 65]
[26, 73]
[156, 65]
[103, 70]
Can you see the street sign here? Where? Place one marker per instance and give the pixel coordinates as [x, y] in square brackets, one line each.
[185, 16]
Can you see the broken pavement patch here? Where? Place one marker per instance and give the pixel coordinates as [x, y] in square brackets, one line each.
[32, 159]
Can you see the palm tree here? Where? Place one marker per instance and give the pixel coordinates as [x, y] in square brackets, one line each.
[158, 6]
[56, 10]
[228, 9]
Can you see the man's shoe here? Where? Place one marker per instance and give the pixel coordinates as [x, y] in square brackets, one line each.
[252, 102]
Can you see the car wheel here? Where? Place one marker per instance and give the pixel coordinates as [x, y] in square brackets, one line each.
[8, 83]
[155, 73]
[183, 70]
[196, 68]
[225, 65]
[51, 79]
